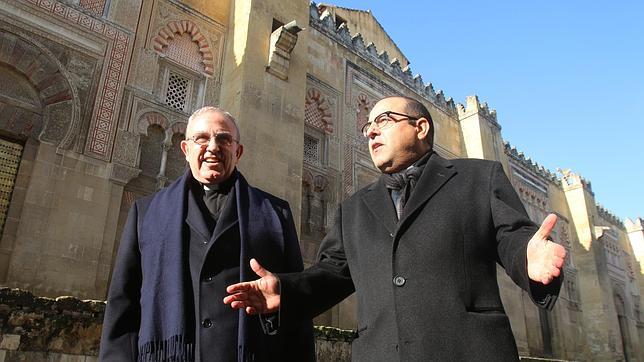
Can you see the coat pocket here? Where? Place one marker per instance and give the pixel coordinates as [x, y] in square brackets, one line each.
[486, 310]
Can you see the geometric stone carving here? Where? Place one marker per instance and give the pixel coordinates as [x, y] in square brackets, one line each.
[316, 112]
[43, 95]
[116, 59]
[126, 147]
[108, 96]
[176, 40]
[56, 122]
[94, 7]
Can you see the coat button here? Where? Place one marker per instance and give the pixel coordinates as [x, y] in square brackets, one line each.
[208, 279]
[399, 281]
[206, 323]
[391, 234]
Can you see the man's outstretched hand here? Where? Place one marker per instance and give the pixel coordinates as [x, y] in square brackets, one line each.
[545, 257]
[261, 296]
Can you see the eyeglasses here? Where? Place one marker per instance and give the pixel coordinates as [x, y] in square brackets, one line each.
[384, 120]
[221, 138]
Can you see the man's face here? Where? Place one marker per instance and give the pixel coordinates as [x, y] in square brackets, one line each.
[213, 162]
[398, 145]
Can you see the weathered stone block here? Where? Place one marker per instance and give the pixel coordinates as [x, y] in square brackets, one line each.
[10, 342]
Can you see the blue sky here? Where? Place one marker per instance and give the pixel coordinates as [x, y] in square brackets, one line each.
[565, 77]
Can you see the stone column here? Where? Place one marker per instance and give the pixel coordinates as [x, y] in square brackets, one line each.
[269, 108]
[481, 131]
[599, 317]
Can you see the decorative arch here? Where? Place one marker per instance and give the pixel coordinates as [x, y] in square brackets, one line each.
[317, 111]
[174, 129]
[152, 118]
[173, 32]
[50, 82]
[179, 127]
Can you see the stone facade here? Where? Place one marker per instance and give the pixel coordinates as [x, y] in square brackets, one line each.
[94, 100]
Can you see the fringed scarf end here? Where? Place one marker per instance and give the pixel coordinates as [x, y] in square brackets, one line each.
[173, 349]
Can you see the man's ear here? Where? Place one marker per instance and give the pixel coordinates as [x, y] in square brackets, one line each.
[240, 151]
[184, 147]
[422, 127]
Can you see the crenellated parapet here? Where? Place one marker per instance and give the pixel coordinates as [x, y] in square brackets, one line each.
[527, 163]
[634, 225]
[323, 21]
[610, 217]
[571, 179]
[473, 106]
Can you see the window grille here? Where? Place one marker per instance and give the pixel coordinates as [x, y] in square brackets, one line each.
[10, 154]
[311, 150]
[177, 91]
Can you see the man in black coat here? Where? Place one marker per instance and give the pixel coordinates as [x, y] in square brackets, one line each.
[183, 245]
[419, 247]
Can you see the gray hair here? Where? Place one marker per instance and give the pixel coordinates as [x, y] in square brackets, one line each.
[207, 109]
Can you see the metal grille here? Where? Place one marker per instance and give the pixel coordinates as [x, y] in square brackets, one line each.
[10, 154]
[177, 91]
[311, 150]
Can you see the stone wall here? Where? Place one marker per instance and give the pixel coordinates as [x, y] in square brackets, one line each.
[68, 329]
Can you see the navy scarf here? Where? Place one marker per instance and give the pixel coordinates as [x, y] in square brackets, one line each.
[165, 333]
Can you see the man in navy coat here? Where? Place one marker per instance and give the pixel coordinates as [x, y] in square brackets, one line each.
[183, 245]
[420, 247]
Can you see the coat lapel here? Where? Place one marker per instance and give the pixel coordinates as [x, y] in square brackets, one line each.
[195, 217]
[437, 172]
[379, 203]
[228, 217]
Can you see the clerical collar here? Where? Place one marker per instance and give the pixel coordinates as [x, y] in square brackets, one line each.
[222, 187]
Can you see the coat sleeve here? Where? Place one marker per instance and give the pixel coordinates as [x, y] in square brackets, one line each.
[298, 332]
[122, 318]
[514, 230]
[324, 284]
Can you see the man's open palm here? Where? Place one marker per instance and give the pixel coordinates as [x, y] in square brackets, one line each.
[261, 296]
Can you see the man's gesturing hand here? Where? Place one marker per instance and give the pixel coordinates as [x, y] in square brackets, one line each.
[545, 258]
[261, 296]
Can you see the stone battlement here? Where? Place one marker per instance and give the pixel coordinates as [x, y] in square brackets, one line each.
[634, 225]
[324, 22]
[571, 179]
[526, 162]
[610, 217]
[473, 106]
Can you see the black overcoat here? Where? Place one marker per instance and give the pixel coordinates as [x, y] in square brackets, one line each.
[426, 286]
[211, 270]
